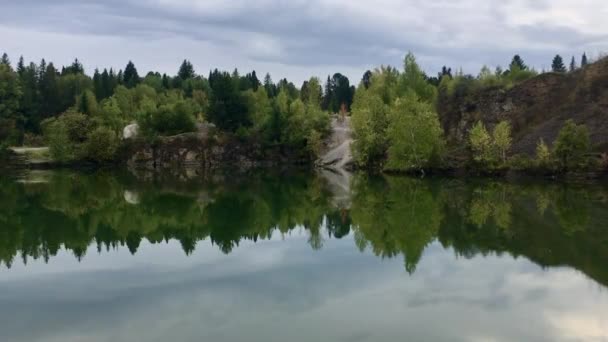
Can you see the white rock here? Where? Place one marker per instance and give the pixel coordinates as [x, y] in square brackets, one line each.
[131, 131]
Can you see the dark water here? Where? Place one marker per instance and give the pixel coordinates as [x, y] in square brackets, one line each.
[108, 257]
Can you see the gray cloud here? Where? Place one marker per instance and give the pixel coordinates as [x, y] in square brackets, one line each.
[297, 39]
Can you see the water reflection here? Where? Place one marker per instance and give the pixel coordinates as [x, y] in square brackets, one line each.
[393, 217]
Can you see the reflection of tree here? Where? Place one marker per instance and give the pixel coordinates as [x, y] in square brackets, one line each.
[491, 200]
[396, 216]
[74, 210]
[392, 216]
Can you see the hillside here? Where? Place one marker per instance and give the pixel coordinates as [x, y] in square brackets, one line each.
[537, 108]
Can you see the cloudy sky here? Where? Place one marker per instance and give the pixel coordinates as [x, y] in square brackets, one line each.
[300, 38]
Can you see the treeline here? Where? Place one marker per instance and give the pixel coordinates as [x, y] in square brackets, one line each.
[397, 128]
[394, 113]
[82, 117]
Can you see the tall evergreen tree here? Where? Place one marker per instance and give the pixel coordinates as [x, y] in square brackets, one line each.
[572, 64]
[186, 70]
[166, 81]
[255, 81]
[558, 64]
[49, 92]
[367, 79]
[270, 87]
[98, 85]
[30, 99]
[584, 60]
[130, 76]
[21, 66]
[5, 60]
[518, 62]
[106, 87]
[75, 68]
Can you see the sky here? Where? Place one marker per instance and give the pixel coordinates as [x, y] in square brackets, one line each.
[298, 39]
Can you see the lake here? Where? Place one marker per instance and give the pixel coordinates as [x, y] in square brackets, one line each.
[109, 256]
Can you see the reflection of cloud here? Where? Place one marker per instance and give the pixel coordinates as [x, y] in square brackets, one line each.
[281, 290]
[587, 326]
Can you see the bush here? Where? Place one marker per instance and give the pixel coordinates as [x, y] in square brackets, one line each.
[571, 145]
[60, 146]
[102, 144]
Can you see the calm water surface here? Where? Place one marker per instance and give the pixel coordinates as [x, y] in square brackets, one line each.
[112, 257]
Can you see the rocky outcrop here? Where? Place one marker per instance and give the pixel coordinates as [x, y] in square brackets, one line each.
[200, 151]
[337, 153]
[537, 108]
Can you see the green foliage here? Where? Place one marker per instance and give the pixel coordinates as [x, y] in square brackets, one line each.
[168, 119]
[571, 145]
[558, 64]
[543, 154]
[10, 94]
[488, 150]
[101, 145]
[414, 134]
[414, 80]
[481, 144]
[369, 122]
[61, 148]
[502, 139]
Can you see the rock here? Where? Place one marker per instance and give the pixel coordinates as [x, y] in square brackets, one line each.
[338, 153]
[131, 131]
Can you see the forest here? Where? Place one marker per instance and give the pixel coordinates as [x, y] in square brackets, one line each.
[394, 112]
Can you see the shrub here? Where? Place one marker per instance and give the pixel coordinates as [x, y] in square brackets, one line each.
[571, 145]
[60, 146]
[102, 144]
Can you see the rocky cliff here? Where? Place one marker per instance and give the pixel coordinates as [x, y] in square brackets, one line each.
[193, 150]
[537, 108]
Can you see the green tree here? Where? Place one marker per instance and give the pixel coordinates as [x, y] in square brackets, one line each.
[572, 144]
[572, 64]
[558, 64]
[369, 122]
[502, 139]
[414, 79]
[10, 97]
[102, 144]
[186, 70]
[517, 63]
[543, 154]
[5, 60]
[415, 134]
[584, 60]
[130, 76]
[481, 144]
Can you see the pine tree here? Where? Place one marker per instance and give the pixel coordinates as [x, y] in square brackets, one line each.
[20, 66]
[584, 60]
[49, 92]
[186, 70]
[558, 64]
[255, 82]
[367, 79]
[518, 63]
[572, 64]
[5, 60]
[106, 86]
[166, 81]
[270, 87]
[130, 76]
[97, 85]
